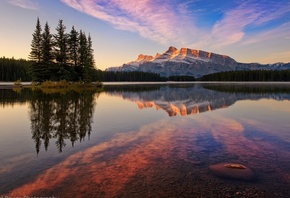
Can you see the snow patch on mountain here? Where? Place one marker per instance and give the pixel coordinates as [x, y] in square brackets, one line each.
[191, 62]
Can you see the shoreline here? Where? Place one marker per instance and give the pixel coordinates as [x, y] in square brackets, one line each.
[9, 85]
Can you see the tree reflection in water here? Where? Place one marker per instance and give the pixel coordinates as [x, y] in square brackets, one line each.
[61, 116]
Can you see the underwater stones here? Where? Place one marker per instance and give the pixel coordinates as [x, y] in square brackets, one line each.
[232, 171]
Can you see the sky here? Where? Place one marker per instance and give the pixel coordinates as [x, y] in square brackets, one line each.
[246, 30]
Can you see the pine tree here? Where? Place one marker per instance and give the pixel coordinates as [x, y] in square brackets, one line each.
[82, 49]
[89, 61]
[62, 48]
[36, 48]
[47, 44]
[90, 53]
[61, 44]
[73, 45]
[42, 71]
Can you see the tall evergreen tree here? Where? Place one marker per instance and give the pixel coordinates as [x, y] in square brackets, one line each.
[42, 70]
[82, 49]
[47, 44]
[53, 54]
[36, 44]
[89, 62]
[90, 52]
[73, 45]
[61, 44]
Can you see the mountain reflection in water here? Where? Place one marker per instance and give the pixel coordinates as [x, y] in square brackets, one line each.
[168, 156]
[186, 99]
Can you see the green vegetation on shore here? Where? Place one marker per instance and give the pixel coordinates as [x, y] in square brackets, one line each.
[63, 86]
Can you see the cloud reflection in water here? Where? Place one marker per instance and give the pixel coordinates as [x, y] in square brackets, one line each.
[172, 153]
[108, 168]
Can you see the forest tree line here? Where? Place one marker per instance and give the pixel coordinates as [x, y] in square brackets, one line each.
[61, 56]
[14, 69]
[135, 76]
[249, 75]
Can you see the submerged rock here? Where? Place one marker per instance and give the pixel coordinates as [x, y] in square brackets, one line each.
[232, 171]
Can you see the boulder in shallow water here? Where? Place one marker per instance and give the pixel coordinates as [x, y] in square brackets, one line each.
[232, 171]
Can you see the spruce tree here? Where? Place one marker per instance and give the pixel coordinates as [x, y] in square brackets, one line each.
[36, 44]
[61, 44]
[90, 52]
[73, 45]
[47, 44]
[82, 49]
[89, 62]
[65, 49]
[42, 70]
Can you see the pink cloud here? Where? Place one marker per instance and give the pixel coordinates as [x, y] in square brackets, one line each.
[280, 32]
[26, 4]
[274, 10]
[162, 22]
[175, 23]
[230, 29]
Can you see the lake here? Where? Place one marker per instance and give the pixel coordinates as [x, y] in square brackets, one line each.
[145, 140]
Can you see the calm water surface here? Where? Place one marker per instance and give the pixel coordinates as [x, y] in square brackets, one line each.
[145, 141]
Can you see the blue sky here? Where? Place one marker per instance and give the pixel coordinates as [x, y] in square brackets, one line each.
[246, 30]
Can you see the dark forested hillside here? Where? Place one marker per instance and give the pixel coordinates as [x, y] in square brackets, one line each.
[14, 69]
[110, 76]
[137, 76]
[251, 75]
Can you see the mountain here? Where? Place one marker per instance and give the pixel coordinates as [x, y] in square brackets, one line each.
[191, 62]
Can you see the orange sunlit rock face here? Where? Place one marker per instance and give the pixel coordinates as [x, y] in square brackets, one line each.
[176, 109]
[195, 110]
[184, 52]
[142, 105]
[142, 57]
[156, 56]
[183, 111]
[209, 54]
[209, 108]
[174, 54]
[195, 53]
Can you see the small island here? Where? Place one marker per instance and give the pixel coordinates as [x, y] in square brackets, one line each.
[59, 60]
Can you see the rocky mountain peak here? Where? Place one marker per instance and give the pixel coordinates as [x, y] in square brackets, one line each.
[190, 62]
[171, 49]
[157, 55]
[142, 57]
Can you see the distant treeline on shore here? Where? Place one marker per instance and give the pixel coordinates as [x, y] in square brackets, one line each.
[249, 75]
[14, 69]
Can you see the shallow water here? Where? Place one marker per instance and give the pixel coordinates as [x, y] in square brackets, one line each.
[145, 141]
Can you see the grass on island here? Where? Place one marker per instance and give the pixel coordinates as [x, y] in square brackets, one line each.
[60, 86]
